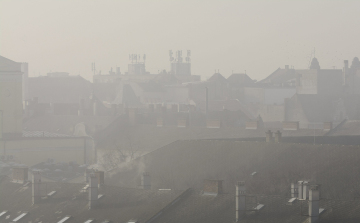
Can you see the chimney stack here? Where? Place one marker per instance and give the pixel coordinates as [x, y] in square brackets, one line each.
[36, 193]
[314, 198]
[93, 191]
[240, 200]
[300, 190]
[146, 181]
[100, 175]
[305, 192]
[294, 190]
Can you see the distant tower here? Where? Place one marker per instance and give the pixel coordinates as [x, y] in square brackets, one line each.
[178, 67]
[315, 64]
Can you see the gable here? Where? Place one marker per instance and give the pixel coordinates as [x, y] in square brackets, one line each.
[7, 65]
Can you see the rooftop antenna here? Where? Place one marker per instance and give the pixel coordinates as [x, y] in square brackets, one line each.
[93, 68]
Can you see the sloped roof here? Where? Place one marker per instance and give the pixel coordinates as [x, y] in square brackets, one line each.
[276, 164]
[220, 105]
[217, 77]
[198, 208]
[126, 95]
[239, 79]
[349, 127]
[280, 76]
[117, 205]
[7, 65]
[67, 89]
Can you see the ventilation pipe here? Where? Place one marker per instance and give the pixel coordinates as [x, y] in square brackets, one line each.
[240, 200]
[93, 191]
[36, 181]
[314, 198]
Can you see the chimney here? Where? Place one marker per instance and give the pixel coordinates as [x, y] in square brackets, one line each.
[240, 200]
[87, 175]
[213, 187]
[100, 175]
[93, 191]
[294, 190]
[300, 190]
[20, 174]
[207, 101]
[36, 193]
[278, 136]
[146, 181]
[81, 107]
[95, 108]
[305, 192]
[269, 136]
[314, 198]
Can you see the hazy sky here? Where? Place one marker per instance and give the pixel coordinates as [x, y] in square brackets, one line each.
[256, 36]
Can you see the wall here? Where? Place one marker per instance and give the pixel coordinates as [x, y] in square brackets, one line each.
[307, 81]
[277, 95]
[31, 151]
[11, 96]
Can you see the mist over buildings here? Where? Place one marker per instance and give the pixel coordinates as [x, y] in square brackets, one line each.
[179, 111]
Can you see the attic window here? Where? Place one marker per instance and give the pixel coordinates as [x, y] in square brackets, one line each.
[3, 213]
[89, 221]
[19, 217]
[64, 219]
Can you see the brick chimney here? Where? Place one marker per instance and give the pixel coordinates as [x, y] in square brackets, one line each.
[240, 200]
